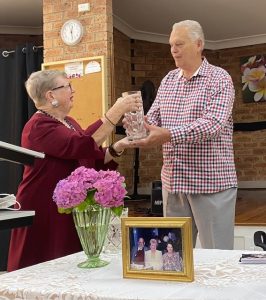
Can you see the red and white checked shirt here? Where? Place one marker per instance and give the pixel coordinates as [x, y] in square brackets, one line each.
[198, 113]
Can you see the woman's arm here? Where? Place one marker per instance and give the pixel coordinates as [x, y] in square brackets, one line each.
[114, 114]
[116, 149]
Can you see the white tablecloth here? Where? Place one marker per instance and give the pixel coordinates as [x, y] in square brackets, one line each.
[218, 275]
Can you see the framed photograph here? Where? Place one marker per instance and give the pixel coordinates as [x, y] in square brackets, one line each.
[157, 248]
[253, 77]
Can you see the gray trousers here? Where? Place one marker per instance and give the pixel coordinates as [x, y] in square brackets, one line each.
[213, 216]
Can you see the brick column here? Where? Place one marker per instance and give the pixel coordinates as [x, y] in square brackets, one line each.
[98, 35]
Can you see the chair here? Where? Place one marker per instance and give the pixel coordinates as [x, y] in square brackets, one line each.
[260, 239]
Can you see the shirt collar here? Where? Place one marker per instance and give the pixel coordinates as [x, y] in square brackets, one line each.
[202, 70]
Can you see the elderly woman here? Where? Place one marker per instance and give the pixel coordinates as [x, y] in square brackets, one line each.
[66, 146]
[172, 260]
[153, 258]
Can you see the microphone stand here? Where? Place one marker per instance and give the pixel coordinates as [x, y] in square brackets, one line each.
[135, 195]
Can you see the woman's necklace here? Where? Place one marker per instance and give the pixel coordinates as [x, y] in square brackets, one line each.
[67, 123]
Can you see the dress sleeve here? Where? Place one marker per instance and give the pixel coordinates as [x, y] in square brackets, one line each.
[54, 139]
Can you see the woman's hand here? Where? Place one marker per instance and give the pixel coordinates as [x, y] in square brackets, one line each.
[118, 147]
[121, 145]
[114, 114]
[128, 103]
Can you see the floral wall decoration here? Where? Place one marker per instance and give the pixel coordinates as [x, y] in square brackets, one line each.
[253, 71]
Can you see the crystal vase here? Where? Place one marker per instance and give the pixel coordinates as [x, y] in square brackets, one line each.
[92, 226]
[113, 242]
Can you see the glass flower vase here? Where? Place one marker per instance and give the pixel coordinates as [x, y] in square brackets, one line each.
[92, 226]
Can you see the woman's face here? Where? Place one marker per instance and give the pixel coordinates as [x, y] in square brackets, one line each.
[169, 248]
[153, 246]
[64, 94]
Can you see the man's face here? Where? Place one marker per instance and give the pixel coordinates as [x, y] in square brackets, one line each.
[141, 243]
[184, 50]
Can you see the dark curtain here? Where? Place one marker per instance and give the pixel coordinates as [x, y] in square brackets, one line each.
[15, 110]
[15, 107]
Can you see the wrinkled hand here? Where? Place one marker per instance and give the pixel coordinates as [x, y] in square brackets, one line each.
[129, 103]
[125, 123]
[157, 136]
[122, 144]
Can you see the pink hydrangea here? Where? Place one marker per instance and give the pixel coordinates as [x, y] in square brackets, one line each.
[109, 188]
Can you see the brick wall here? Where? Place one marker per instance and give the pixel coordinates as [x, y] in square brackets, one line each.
[122, 63]
[97, 24]
[152, 61]
[97, 39]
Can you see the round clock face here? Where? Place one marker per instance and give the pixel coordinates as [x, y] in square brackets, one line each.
[71, 32]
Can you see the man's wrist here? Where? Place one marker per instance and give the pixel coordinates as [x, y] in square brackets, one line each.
[166, 135]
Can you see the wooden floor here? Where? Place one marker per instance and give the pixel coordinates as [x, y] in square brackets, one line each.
[250, 207]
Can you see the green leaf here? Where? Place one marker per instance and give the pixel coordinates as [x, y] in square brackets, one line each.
[89, 201]
[82, 206]
[90, 197]
[64, 210]
[117, 210]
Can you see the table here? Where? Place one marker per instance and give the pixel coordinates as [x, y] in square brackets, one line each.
[218, 276]
[14, 218]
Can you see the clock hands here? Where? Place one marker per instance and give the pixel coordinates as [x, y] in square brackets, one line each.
[72, 32]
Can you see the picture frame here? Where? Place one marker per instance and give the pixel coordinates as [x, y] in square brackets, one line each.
[253, 78]
[157, 248]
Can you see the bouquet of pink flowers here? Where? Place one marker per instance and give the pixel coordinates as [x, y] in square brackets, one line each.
[87, 187]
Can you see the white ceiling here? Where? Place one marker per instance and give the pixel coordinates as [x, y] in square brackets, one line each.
[226, 23]
[21, 16]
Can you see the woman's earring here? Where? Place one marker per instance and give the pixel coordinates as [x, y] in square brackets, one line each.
[54, 103]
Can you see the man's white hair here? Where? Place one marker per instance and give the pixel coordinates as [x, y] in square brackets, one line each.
[194, 28]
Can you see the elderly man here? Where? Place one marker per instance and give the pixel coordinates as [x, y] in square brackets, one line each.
[138, 252]
[192, 117]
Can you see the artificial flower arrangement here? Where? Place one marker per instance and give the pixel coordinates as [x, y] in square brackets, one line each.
[87, 188]
[254, 77]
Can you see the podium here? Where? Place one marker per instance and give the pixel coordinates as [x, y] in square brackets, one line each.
[13, 219]
[18, 154]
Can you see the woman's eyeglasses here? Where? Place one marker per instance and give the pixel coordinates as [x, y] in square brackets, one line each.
[63, 86]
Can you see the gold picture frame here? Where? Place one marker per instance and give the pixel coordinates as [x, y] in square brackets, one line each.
[165, 249]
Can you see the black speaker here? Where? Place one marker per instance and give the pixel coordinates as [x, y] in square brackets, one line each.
[157, 198]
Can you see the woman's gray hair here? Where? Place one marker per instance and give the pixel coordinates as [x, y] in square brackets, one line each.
[194, 28]
[153, 241]
[40, 82]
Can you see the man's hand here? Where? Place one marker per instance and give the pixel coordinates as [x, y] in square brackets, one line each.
[157, 136]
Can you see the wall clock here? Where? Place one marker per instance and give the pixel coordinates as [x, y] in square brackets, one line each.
[72, 32]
